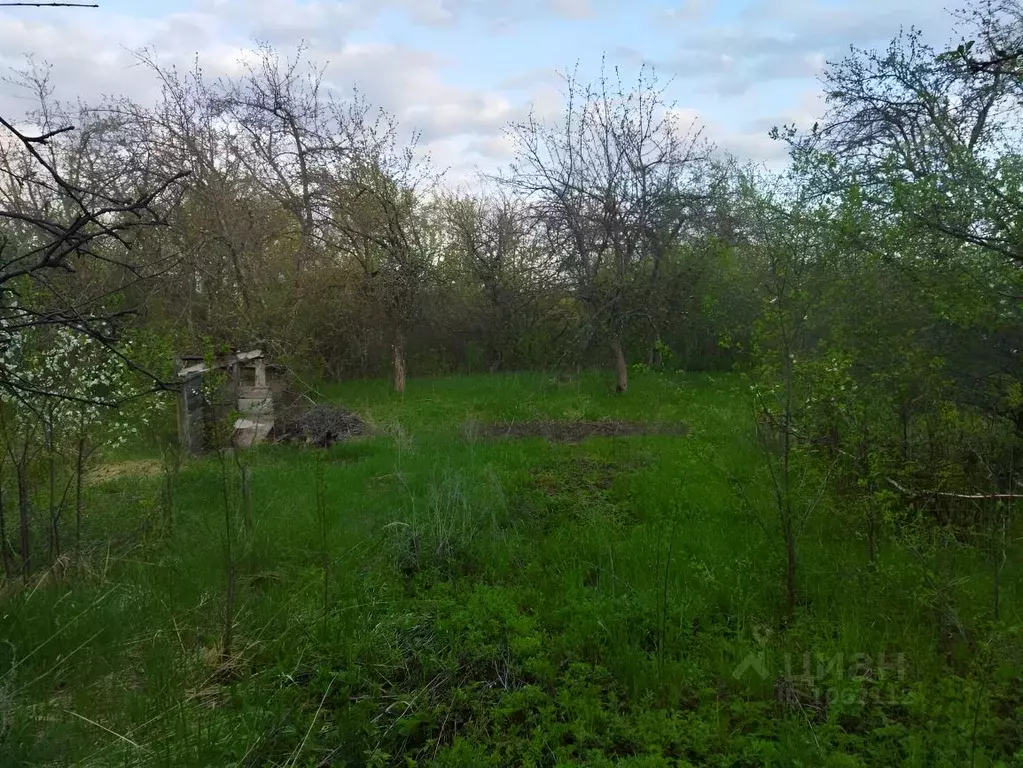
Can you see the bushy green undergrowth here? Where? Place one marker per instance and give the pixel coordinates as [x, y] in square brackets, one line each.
[428, 596]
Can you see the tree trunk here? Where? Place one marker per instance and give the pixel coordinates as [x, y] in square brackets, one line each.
[246, 482]
[496, 353]
[228, 638]
[51, 464]
[653, 357]
[26, 562]
[621, 368]
[1002, 521]
[790, 568]
[4, 553]
[785, 495]
[866, 475]
[398, 352]
[871, 533]
[655, 360]
[79, 468]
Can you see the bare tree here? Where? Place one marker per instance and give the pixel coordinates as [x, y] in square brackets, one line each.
[613, 185]
[284, 136]
[492, 236]
[236, 239]
[383, 210]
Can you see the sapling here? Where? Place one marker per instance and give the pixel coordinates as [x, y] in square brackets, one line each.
[4, 553]
[220, 436]
[171, 468]
[245, 477]
[323, 519]
[228, 635]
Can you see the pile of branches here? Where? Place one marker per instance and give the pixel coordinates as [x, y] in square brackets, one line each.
[321, 425]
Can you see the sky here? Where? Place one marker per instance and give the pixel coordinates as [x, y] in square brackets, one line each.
[460, 70]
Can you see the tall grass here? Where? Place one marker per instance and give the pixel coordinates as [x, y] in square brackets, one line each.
[417, 595]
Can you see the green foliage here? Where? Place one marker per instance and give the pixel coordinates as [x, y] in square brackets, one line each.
[503, 602]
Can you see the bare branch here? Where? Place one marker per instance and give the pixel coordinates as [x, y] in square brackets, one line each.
[49, 5]
[974, 496]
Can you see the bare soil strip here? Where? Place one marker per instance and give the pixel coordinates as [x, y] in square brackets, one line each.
[577, 431]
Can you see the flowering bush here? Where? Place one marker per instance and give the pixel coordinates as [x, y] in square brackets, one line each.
[77, 386]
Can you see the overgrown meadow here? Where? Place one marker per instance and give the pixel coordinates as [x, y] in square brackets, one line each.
[429, 595]
[683, 460]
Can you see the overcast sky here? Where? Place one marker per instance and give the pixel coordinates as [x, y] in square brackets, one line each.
[459, 70]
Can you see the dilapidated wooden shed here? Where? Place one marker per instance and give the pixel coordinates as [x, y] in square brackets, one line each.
[244, 393]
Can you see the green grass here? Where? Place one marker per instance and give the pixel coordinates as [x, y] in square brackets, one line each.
[423, 596]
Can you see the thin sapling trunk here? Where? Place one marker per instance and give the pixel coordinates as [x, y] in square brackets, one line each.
[228, 637]
[23, 520]
[4, 552]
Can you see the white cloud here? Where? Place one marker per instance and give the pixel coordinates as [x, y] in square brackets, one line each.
[461, 105]
[573, 9]
[689, 10]
[406, 81]
[789, 39]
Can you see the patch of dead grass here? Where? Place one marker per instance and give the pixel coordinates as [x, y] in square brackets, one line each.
[115, 470]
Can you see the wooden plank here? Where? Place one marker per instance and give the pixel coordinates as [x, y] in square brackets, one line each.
[256, 406]
[248, 433]
[222, 362]
[253, 393]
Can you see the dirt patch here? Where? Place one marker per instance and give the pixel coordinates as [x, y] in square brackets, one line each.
[118, 469]
[577, 431]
